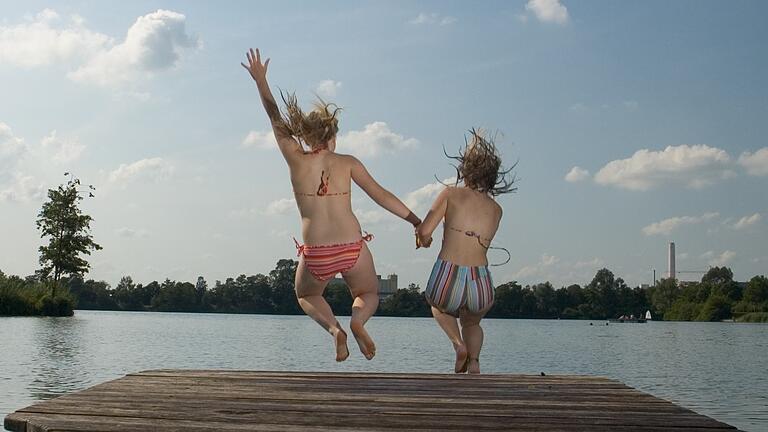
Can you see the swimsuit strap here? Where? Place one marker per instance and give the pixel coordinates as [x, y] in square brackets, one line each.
[316, 195]
[299, 247]
[487, 247]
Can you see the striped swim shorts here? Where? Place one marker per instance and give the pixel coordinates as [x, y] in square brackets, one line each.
[452, 287]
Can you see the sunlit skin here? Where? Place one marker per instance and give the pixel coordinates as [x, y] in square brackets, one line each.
[466, 209]
[329, 220]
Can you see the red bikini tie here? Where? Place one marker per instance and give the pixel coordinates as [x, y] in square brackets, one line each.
[367, 237]
[299, 248]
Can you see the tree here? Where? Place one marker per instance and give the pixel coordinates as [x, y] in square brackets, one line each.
[663, 295]
[283, 293]
[718, 276]
[756, 290]
[68, 230]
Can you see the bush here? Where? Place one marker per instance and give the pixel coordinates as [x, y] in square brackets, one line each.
[754, 317]
[717, 308]
[61, 305]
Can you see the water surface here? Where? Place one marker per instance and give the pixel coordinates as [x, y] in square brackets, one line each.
[717, 369]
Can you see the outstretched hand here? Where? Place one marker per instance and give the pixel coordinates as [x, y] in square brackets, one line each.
[257, 69]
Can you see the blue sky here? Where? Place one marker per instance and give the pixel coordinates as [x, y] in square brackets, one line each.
[634, 123]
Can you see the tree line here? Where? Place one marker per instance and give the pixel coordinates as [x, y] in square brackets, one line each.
[716, 297]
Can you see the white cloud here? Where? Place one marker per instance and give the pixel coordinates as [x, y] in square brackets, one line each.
[155, 42]
[421, 199]
[548, 10]
[578, 108]
[126, 232]
[668, 225]
[327, 88]
[630, 104]
[155, 168]
[545, 263]
[371, 217]
[45, 39]
[11, 148]
[376, 138]
[593, 263]
[433, 18]
[280, 207]
[755, 163]
[694, 166]
[576, 174]
[747, 221]
[23, 188]
[260, 140]
[62, 150]
[719, 260]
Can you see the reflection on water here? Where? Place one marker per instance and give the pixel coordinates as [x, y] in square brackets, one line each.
[717, 369]
[60, 364]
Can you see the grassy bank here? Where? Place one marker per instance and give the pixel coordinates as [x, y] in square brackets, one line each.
[21, 298]
[754, 317]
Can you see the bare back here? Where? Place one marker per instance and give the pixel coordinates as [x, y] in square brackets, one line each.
[322, 187]
[464, 210]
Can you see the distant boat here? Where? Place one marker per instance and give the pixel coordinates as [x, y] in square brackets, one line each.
[648, 315]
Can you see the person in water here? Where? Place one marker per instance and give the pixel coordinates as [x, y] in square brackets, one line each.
[460, 285]
[333, 239]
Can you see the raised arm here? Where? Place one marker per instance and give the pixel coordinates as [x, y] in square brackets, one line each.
[433, 218]
[380, 195]
[289, 147]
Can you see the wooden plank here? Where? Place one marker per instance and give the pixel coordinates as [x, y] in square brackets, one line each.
[297, 401]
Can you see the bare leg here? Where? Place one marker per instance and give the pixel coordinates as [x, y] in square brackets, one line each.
[473, 336]
[364, 286]
[451, 328]
[309, 291]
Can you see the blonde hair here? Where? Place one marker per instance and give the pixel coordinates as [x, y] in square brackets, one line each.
[314, 129]
[480, 165]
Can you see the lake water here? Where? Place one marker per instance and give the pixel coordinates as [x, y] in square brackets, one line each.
[717, 369]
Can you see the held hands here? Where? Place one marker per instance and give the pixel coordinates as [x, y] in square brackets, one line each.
[257, 70]
[422, 241]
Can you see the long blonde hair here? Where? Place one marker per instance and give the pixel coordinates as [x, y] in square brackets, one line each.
[314, 129]
[480, 165]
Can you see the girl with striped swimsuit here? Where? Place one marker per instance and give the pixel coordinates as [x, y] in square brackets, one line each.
[460, 285]
[333, 239]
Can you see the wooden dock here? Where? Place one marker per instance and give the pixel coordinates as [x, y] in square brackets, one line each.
[220, 400]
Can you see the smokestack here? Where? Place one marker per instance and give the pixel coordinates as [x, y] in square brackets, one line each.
[672, 274]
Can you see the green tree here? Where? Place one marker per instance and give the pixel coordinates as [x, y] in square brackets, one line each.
[283, 293]
[68, 233]
[756, 290]
[663, 295]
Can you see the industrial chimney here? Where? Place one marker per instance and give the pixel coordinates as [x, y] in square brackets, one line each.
[672, 274]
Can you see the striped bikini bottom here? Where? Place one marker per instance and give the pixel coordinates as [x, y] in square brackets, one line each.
[452, 287]
[326, 261]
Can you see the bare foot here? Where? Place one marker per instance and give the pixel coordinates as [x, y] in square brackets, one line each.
[461, 359]
[364, 341]
[340, 339]
[474, 366]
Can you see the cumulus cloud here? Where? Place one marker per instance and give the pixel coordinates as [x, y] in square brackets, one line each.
[755, 163]
[668, 225]
[260, 140]
[433, 18]
[747, 221]
[126, 232]
[11, 148]
[548, 11]
[719, 260]
[694, 166]
[21, 189]
[47, 39]
[61, 150]
[155, 42]
[421, 199]
[593, 263]
[370, 217]
[327, 88]
[154, 168]
[375, 139]
[545, 263]
[280, 207]
[576, 174]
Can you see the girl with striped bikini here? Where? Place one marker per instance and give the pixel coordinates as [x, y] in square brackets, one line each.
[460, 285]
[333, 240]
